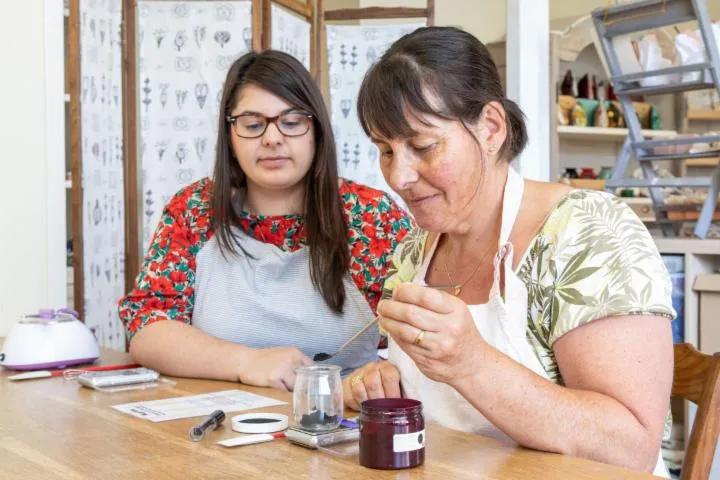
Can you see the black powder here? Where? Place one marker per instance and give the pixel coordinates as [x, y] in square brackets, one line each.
[321, 357]
[317, 418]
[260, 420]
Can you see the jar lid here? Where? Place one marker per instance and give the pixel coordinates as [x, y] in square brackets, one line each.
[391, 406]
[51, 316]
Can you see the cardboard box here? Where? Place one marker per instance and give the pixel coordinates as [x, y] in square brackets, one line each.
[708, 288]
[588, 183]
[642, 206]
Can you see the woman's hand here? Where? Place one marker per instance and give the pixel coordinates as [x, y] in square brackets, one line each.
[374, 380]
[273, 367]
[435, 329]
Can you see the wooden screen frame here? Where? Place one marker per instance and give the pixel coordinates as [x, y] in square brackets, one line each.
[131, 120]
[74, 76]
[307, 9]
[382, 13]
[367, 13]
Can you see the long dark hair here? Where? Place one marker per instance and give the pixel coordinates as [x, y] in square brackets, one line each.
[447, 63]
[324, 221]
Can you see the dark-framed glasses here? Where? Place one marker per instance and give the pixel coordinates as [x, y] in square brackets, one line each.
[290, 124]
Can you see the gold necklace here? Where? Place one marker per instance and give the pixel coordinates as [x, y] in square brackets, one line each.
[458, 288]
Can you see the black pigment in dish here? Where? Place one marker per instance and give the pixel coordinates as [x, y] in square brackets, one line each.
[321, 357]
[259, 420]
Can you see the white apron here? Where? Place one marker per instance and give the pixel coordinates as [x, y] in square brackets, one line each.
[263, 297]
[502, 323]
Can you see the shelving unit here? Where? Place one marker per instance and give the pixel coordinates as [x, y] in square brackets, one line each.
[702, 162]
[695, 121]
[615, 22]
[707, 115]
[701, 257]
[612, 134]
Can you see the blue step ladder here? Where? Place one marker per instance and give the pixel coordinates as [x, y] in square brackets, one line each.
[624, 19]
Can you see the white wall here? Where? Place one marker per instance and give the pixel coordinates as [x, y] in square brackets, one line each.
[486, 19]
[32, 159]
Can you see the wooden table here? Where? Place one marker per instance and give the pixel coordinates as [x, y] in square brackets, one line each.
[52, 428]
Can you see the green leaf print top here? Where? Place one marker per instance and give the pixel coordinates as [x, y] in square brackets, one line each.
[593, 258]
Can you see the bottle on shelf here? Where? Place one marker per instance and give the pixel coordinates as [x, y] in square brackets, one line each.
[611, 93]
[615, 116]
[570, 173]
[585, 87]
[594, 87]
[587, 173]
[601, 114]
[566, 87]
[579, 117]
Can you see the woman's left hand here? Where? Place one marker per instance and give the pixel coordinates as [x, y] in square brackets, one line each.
[435, 329]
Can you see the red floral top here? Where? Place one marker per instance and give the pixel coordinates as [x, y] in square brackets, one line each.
[165, 286]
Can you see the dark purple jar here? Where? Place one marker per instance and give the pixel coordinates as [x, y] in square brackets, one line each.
[392, 433]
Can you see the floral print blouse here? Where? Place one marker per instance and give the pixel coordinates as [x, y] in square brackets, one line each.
[165, 285]
[593, 258]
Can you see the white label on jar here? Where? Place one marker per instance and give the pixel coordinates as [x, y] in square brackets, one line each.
[408, 442]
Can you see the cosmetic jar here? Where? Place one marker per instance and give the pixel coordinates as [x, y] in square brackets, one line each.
[392, 433]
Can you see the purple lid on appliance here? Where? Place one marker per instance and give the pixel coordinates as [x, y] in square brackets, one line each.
[69, 311]
[47, 315]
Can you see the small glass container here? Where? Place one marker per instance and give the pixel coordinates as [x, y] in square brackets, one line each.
[570, 173]
[318, 398]
[392, 433]
[605, 173]
[588, 173]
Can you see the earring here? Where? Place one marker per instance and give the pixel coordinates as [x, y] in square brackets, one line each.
[492, 149]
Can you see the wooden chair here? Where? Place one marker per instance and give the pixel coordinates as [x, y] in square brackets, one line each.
[697, 379]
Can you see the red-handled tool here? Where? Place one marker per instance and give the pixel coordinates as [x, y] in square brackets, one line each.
[64, 372]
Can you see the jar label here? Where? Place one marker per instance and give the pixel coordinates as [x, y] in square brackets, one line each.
[408, 442]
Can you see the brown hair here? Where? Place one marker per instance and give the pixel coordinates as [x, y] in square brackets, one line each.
[325, 227]
[445, 62]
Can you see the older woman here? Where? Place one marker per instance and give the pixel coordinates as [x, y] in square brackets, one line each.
[550, 318]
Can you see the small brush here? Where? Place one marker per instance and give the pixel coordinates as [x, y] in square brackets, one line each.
[321, 357]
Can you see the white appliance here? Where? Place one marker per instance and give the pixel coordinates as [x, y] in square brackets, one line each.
[49, 339]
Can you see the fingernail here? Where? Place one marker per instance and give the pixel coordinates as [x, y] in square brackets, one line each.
[379, 306]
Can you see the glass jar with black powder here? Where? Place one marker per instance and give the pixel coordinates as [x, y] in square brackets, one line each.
[318, 398]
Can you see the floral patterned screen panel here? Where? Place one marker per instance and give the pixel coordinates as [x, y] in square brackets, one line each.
[102, 168]
[351, 50]
[185, 50]
[290, 34]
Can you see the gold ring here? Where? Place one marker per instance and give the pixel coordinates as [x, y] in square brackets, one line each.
[419, 338]
[355, 380]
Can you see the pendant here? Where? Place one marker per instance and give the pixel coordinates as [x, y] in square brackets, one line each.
[457, 291]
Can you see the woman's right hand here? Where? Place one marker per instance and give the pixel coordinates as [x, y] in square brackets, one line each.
[374, 380]
[273, 367]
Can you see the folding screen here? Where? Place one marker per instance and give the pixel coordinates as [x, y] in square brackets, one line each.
[96, 131]
[184, 50]
[351, 50]
[289, 27]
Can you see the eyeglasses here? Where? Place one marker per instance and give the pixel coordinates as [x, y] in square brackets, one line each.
[290, 124]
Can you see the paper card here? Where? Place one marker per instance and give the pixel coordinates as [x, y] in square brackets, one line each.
[196, 405]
